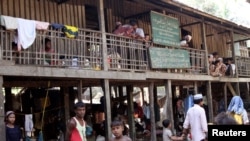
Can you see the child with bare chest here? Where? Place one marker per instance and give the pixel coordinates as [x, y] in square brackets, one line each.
[117, 127]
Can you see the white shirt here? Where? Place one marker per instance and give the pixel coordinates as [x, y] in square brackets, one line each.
[183, 43]
[100, 138]
[81, 129]
[166, 135]
[146, 111]
[140, 32]
[196, 120]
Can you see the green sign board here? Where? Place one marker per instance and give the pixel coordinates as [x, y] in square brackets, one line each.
[162, 58]
[165, 29]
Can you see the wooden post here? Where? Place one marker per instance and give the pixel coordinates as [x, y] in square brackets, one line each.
[210, 101]
[120, 91]
[142, 94]
[91, 95]
[225, 95]
[131, 112]
[79, 94]
[247, 92]
[8, 99]
[204, 44]
[152, 111]
[65, 92]
[238, 88]
[107, 108]
[195, 87]
[234, 61]
[2, 115]
[169, 99]
[102, 28]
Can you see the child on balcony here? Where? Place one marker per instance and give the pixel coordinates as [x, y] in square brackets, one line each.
[49, 53]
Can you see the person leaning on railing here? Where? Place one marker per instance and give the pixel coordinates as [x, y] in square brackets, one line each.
[49, 54]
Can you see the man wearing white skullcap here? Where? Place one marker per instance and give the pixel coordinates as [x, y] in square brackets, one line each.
[196, 120]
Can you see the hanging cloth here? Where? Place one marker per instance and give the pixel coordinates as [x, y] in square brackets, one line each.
[10, 23]
[26, 33]
[40, 136]
[28, 124]
[42, 25]
[70, 31]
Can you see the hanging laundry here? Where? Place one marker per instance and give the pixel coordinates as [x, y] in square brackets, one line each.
[188, 103]
[26, 33]
[28, 125]
[57, 26]
[70, 31]
[8, 22]
[42, 25]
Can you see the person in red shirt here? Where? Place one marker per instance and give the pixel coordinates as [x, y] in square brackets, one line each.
[76, 128]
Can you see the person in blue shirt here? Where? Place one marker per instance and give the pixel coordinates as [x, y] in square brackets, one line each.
[13, 132]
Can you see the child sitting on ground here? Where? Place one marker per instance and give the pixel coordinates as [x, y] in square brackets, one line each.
[117, 127]
[167, 133]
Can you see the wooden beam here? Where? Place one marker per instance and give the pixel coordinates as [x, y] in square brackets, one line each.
[217, 33]
[2, 112]
[137, 15]
[204, 45]
[91, 95]
[210, 101]
[132, 132]
[107, 108]
[229, 85]
[195, 87]
[247, 91]
[35, 71]
[102, 29]
[41, 83]
[189, 24]
[65, 91]
[152, 111]
[225, 95]
[241, 40]
[79, 89]
[169, 99]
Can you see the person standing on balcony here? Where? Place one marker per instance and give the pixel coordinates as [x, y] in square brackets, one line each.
[223, 67]
[122, 30]
[186, 40]
[49, 53]
[211, 64]
[137, 33]
[147, 42]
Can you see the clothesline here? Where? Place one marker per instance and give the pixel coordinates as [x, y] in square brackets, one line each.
[27, 29]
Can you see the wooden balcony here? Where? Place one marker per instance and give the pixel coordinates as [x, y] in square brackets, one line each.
[243, 66]
[86, 52]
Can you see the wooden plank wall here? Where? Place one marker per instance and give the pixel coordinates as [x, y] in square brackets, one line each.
[218, 42]
[73, 13]
[70, 13]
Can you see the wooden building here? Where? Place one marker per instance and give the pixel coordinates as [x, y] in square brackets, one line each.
[90, 58]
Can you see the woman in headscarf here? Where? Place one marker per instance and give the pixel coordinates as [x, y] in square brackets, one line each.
[237, 111]
[13, 132]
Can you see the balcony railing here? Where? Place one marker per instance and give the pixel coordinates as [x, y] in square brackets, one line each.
[243, 66]
[86, 52]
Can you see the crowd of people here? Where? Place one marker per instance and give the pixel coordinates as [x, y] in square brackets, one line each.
[194, 125]
[218, 67]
